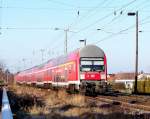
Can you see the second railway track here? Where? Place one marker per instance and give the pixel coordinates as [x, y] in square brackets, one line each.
[134, 106]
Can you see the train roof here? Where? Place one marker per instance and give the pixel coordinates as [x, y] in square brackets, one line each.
[87, 51]
[91, 51]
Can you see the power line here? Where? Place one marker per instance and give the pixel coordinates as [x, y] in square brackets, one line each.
[141, 5]
[89, 11]
[62, 3]
[35, 28]
[124, 6]
[146, 22]
[43, 8]
[106, 16]
[112, 33]
[27, 28]
[106, 31]
[1, 4]
[98, 5]
[126, 29]
[136, 7]
[122, 11]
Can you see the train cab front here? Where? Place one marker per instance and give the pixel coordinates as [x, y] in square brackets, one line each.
[93, 70]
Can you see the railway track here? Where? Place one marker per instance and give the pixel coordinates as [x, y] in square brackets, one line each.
[128, 102]
[124, 104]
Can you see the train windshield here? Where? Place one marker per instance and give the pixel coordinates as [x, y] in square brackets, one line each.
[92, 65]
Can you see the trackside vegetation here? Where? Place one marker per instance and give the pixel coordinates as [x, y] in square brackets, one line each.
[143, 86]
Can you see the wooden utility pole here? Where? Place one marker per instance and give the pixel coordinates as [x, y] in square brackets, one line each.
[136, 52]
[136, 59]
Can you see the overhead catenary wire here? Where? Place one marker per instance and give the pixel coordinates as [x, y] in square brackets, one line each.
[121, 31]
[57, 39]
[88, 12]
[72, 5]
[123, 11]
[45, 8]
[62, 3]
[137, 7]
[30, 29]
[106, 16]
[113, 32]
[141, 5]
[146, 22]
[88, 9]
[39, 28]
[1, 13]
[101, 3]
[27, 28]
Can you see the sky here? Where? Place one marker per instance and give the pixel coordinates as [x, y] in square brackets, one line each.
[29, 36]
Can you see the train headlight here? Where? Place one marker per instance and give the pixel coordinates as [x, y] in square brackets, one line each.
[82, 76]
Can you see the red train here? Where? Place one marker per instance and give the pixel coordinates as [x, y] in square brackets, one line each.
[83, 69]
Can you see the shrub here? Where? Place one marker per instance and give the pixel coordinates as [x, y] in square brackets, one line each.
[143, 86]
[118, 86]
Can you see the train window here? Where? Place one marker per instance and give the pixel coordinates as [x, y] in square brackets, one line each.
[92, 65]
[98, 62]
[85, 69]
[98, 67]
[86, 62]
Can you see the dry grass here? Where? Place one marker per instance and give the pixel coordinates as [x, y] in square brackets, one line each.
[80, 111]
[64, 105]
[76, 111]
[25, 90]
[62, 98]
[62, 94]
[51, 100]
[36, 110]
[76, 100]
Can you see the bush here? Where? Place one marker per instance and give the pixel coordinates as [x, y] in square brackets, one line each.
[118, 86]
[143, 86]
[1, 82]
[147, 85]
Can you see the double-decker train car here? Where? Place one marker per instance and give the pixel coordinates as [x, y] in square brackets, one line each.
[83, 69]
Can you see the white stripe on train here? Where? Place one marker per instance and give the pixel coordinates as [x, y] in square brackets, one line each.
[53, 83]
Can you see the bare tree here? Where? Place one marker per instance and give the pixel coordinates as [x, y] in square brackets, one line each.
[1, 72]
[5, 75]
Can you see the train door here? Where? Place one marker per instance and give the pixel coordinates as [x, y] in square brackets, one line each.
[53, 75]
[55, 80]
[66, 74]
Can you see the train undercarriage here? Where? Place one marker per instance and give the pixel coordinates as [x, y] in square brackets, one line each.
[88, 87]
[94, 87]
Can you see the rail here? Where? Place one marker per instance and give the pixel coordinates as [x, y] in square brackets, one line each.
[6, 110]
[123, 103]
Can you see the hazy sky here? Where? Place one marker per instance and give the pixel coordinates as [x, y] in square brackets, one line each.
[27, 26]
